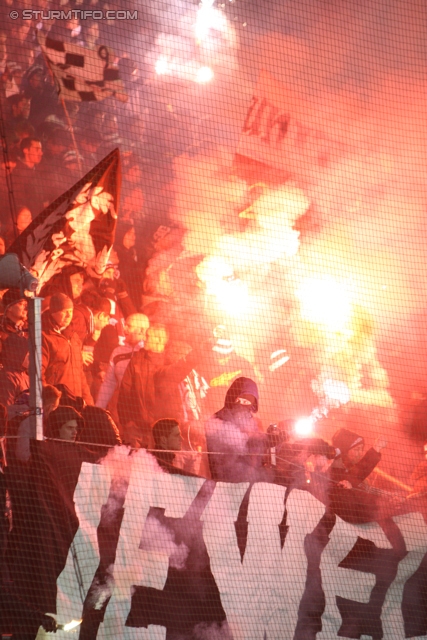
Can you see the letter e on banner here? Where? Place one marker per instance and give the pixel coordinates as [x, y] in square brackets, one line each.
[349, 584]
[134, 566]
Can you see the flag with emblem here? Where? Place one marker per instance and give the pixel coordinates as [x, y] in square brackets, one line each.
[78, 228]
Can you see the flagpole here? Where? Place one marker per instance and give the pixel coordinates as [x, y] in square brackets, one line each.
[35, 368]
[67, 115]
[70, 126]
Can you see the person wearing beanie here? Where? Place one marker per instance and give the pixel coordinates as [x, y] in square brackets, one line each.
[71, 281]
[350, 498]
[62, 361]
[305, 465]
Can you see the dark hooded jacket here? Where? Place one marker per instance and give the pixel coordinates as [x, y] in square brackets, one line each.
[234, 435]
[355, 505]
[13, 376]
[60, 416]
[100, 428]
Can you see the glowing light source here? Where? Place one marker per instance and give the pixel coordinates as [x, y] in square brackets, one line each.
[336, 392]
[209, 19]
[162, 66]
[231, 293]
[70, 626]
[326, 302]
[304, 427]
[204, 74]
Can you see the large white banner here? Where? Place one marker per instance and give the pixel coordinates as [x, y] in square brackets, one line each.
[281, 130]
[158, 553]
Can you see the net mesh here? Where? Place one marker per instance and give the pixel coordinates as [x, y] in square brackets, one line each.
[222, 206]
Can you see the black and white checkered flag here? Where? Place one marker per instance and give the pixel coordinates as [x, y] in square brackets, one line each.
[82, 75]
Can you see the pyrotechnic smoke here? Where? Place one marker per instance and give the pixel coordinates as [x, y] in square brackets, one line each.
[204, 631]
[347, 291]
[160, 539]
[194, 41]
[100, 591]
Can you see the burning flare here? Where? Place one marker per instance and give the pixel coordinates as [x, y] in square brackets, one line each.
[326, 302]
[232, 295]
[70, 626]
[204, 74]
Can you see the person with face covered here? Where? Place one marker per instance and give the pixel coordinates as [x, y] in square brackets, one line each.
[235, 442]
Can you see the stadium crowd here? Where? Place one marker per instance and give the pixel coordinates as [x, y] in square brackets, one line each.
[118, 364]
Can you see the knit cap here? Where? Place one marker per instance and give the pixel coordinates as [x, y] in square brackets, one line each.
[59, 302]
[12, 296]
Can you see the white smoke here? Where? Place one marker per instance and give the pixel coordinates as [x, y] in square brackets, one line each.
[215, 631]
[160, 539]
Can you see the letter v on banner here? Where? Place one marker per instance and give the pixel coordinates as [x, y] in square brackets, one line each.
[259, 594]
[134, 566]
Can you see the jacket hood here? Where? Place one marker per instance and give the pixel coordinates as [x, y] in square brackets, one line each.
[344, 440]
[239, 386]
[59, 417]
[100, 427]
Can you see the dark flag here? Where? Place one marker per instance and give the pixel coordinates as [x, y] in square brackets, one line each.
[82, 75]
[77, 228]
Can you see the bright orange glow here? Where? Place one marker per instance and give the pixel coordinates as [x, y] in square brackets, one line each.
[204, 74]
[336, 392]
[326, 302]
[162, 66]
[304, 427]
[208, 18]
[231, 293]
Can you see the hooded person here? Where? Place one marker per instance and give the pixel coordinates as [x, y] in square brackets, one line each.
[65, 423]
[100, 428]
[62, 361]
[350, 497]
[235, 443]
[14, 377]
[45, 507]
